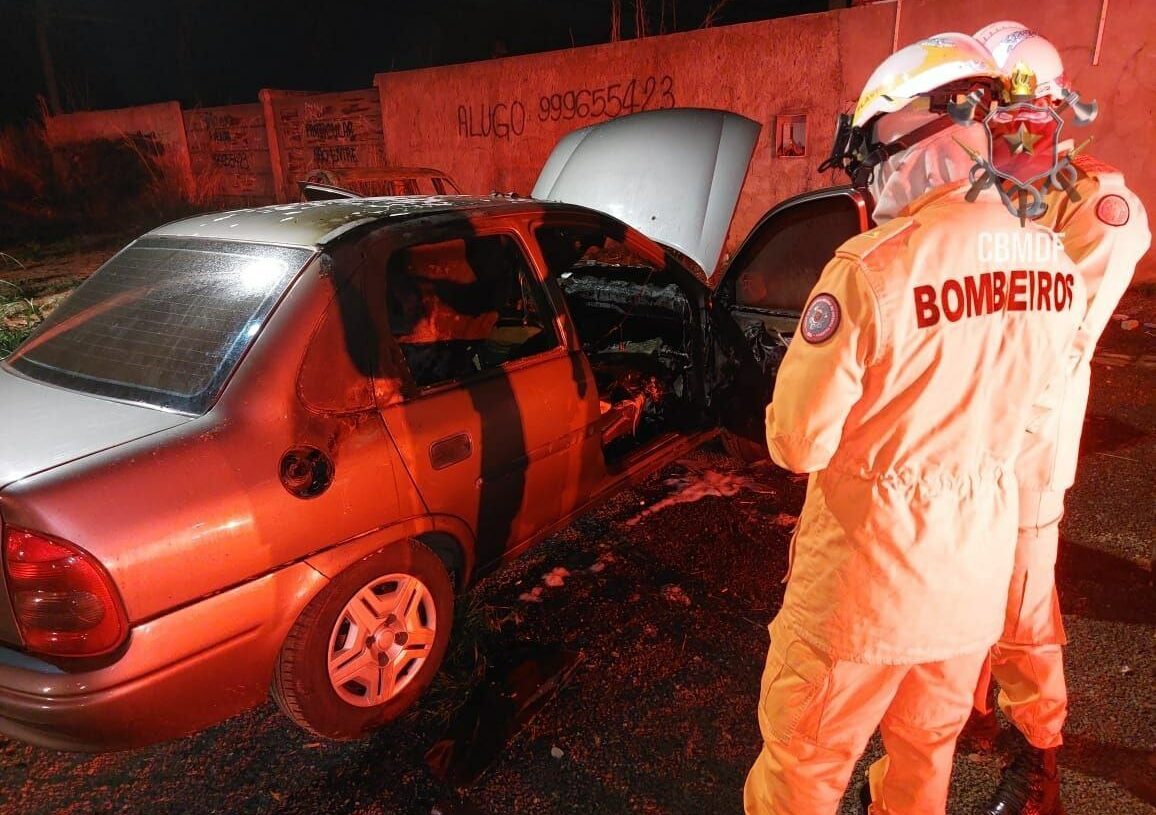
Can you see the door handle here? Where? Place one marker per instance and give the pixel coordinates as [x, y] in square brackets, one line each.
[450, 450]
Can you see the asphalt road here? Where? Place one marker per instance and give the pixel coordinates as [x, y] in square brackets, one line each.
[667, 610]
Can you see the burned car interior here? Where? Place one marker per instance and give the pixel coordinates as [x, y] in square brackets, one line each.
[460, 306]
[637, 328]
[463, 306]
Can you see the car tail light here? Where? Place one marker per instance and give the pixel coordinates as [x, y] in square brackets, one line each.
[65, 602]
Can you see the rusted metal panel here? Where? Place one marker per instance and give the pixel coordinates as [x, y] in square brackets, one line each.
[229, 153]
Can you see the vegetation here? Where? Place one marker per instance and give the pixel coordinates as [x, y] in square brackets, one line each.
[77, 192]
[18, 317]
[476, 628]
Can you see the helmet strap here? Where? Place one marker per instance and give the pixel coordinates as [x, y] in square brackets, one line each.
[876, 153]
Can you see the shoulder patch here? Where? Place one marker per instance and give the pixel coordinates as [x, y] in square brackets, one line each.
[821, 318]
[1113, 210]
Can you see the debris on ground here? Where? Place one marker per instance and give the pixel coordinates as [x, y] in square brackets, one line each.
[695, 486]
[675, 594]
[556, 752]
[785, 520]
[515, 688]
[556, 577]
[1130, 325]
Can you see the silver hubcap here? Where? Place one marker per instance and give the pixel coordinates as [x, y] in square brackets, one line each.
[381, 639]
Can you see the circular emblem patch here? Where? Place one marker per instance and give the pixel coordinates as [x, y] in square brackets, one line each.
[821, 318]
[1113, 210]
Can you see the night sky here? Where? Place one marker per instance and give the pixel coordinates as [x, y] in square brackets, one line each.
[117, 53]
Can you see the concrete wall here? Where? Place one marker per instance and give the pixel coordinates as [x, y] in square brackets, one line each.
[229, 155]
[155, 133]
[491, 124]
[324, 131]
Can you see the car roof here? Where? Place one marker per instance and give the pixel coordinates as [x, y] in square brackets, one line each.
[315, 223]
[387, 172]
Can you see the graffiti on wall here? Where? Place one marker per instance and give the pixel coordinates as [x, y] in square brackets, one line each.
[328, 131]
[500, 120]
[229, 153]
[505, 120]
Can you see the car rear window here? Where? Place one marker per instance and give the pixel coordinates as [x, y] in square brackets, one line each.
[163, 323]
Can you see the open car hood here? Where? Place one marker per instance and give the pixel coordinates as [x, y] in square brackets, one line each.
[674, 175]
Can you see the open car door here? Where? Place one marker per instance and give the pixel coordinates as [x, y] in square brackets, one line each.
[766, 288]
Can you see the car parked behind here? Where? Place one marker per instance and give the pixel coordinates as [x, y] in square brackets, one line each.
[381, 181]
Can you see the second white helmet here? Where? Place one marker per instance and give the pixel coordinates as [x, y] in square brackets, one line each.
[1011, 43]
[917, 70]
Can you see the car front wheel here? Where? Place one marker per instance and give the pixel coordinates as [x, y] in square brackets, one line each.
[368, 645]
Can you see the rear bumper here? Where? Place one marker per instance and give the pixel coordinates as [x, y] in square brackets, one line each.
[180, 672]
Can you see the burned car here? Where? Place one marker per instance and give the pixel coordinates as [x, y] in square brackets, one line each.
[265, 449]
[385, 181]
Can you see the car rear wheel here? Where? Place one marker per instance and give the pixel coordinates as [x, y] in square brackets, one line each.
[368, 645]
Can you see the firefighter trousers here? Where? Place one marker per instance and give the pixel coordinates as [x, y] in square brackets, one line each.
[1028, 660]
[817, 714]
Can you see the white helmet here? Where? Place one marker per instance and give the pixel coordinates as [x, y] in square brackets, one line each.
[1012, 43]
[919, 69]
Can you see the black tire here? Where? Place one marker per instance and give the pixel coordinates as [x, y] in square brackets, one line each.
[301, 684]
[743, 449]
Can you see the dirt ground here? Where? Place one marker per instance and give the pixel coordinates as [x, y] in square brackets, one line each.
[666, 603]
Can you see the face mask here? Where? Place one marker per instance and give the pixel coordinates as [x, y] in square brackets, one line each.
[910, 174]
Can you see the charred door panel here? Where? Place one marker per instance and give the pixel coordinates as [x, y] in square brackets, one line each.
[765, 290]
[491, 419]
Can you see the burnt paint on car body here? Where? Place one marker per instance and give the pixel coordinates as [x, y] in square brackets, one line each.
[504, 463]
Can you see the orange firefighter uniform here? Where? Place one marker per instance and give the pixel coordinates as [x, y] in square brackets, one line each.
[1105, 233]
[894, 396]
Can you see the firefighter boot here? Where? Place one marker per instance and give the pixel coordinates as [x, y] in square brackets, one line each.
[1030, 784]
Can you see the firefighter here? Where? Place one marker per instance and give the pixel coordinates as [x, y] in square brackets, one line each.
[1105, 232]
[893, 397]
